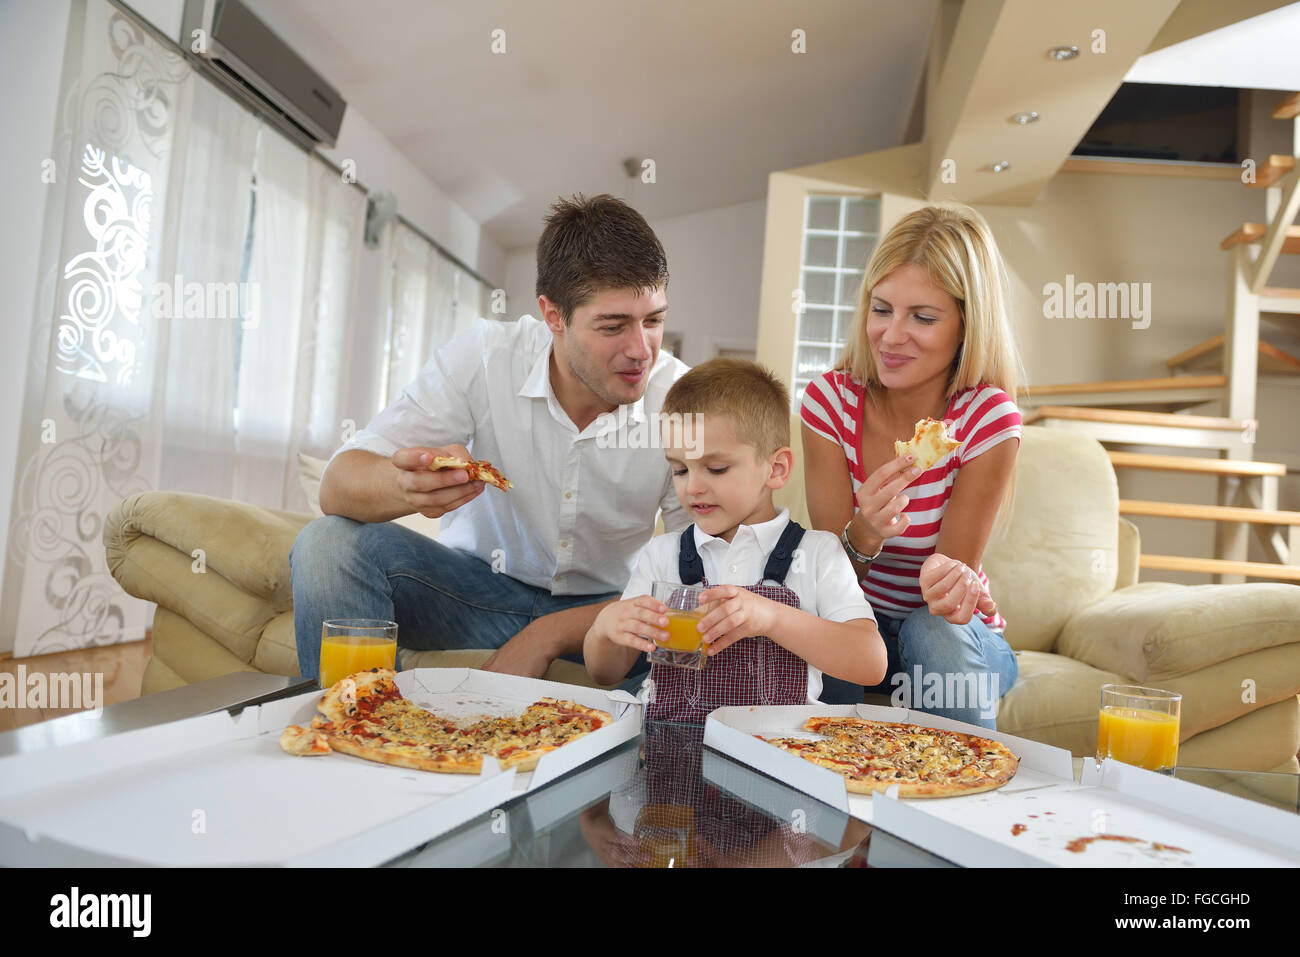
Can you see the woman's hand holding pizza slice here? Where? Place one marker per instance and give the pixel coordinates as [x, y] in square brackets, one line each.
[881, 502]
[952, 591]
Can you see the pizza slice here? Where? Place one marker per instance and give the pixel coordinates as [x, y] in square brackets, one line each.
[929, 444]
[479, 470]
[303, 741]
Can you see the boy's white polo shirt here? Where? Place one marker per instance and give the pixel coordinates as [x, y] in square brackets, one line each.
[820, 574]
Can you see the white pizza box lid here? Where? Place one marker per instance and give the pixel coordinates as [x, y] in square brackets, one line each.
[976, 830]
[217, 790]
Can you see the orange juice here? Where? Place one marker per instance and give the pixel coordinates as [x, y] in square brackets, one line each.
[341, 656]
[1148, 739]
[682, 635]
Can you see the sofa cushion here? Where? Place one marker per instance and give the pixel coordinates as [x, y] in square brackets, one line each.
[1230, 689]
[229, 614]
[245, 544]
[1263, 739]
[1055, 700]
[277, 652]
[1057, 552]
[1155, 630]
[188, 651]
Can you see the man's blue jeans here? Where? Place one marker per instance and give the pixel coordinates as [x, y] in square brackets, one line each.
[959, 665]
[440, 597]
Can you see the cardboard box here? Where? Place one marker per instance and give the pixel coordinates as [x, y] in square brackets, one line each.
[217, 790]
[1176, 824]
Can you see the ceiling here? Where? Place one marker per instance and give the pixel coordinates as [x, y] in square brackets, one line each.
[708, 89]
[1257, 53]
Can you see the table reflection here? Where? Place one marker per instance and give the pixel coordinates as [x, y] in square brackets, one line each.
[670, 813]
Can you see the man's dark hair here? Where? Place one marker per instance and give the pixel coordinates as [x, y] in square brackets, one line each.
[594, 244]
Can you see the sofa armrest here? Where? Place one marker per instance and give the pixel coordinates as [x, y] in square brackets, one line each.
[244, 544]
[1128, 548]
[1155, 630]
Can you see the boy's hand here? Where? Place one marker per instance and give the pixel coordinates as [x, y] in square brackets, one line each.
[953, 591]
[632, 621]
[735, 613]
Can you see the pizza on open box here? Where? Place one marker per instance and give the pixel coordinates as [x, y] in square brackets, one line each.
[923, 762]
[365, 715]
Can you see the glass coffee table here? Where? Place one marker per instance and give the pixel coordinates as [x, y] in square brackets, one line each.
[664, 800]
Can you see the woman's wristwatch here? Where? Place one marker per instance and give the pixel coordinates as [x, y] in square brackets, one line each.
[854, 554]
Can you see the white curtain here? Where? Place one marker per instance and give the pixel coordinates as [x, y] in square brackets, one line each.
[197, 283]
[428, 301]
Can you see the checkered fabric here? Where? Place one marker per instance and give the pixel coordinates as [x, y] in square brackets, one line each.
[677, 793]
[752, 671]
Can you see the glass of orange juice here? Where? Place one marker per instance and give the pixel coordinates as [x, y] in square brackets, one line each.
[1139, 726]
[349, 645]
[682, 648]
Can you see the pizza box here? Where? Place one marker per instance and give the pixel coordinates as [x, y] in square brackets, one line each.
[1210, 828]
[217, 790]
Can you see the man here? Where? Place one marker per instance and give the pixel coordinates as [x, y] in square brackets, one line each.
[524, 571]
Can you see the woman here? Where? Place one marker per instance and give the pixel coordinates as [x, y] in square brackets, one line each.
[930, 339]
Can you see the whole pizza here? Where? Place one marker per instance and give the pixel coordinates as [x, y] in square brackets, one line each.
[366, 716]
[923, 762]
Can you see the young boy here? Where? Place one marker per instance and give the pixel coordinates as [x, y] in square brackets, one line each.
[782, 603]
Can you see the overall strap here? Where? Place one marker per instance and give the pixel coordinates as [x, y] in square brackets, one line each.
[690, 567]
[778, 563]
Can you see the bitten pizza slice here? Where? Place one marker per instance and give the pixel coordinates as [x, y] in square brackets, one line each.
[929, 444]
[479, 470]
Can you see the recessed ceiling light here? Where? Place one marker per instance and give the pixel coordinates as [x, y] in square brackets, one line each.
[1063, 53]
[1024, 119]
[999, 167]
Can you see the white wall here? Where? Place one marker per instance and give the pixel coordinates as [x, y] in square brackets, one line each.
[715, 263]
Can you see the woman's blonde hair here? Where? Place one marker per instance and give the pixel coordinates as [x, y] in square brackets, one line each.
[955, 248]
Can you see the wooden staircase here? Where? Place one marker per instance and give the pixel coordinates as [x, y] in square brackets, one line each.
[1223, 369]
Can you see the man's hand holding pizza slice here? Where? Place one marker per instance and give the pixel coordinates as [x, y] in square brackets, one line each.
[434, 493]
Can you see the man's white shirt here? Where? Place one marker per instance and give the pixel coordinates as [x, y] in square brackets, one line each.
[820, 574]
[583, 503]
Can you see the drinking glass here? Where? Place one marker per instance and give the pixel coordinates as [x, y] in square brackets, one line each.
[349, 645]
[1139, 726]
[683, 646]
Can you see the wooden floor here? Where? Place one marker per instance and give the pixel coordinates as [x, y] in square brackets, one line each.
[121, 665]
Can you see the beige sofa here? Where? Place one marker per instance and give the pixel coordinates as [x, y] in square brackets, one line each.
[1063, 570]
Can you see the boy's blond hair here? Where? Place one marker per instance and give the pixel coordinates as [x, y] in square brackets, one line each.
[755, 400]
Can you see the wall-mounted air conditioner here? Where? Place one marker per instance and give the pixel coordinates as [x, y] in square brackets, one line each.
[249, 57]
